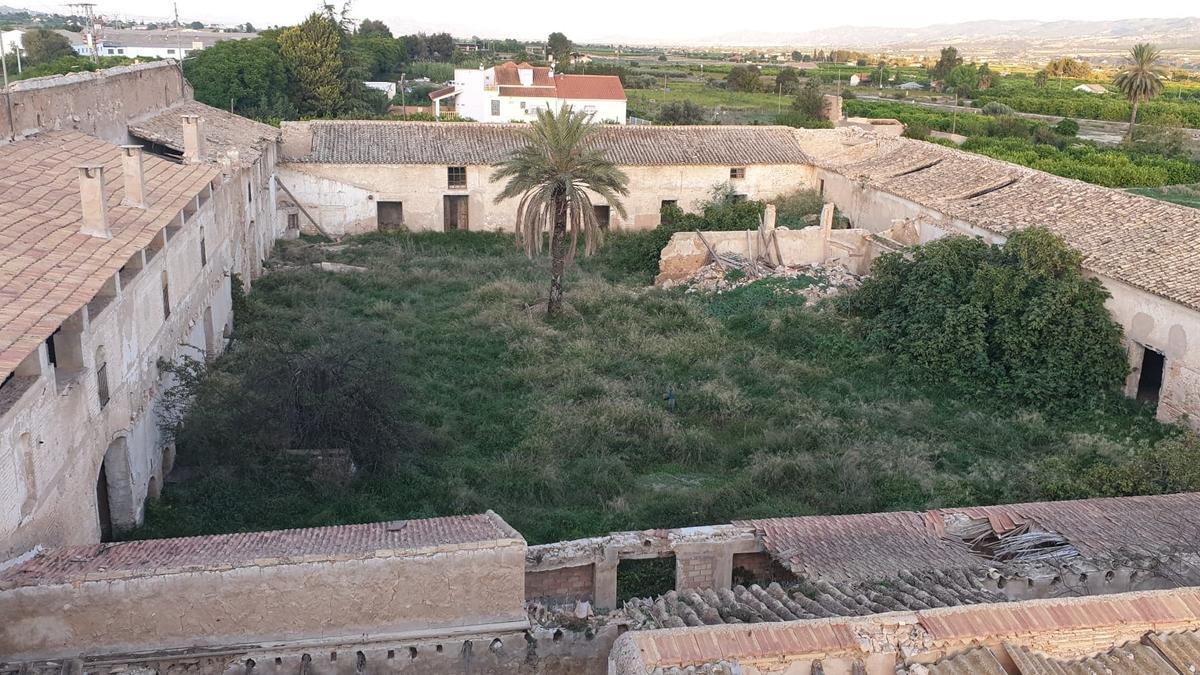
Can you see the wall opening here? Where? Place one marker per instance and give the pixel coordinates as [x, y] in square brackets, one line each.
[28, 468]
[166, 297]
[603, 215]
[210, 335]
[645, 577]
[1151, 378]
[390, 216]
[115, 504]
[456, 214]
[101, 377]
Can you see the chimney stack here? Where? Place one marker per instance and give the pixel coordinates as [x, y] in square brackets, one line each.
[94, 202]
[193, 139]
[133, 176]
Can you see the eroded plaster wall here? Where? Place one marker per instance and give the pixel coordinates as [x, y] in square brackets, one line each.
[344, 197]
[475, 586]
[99, 103]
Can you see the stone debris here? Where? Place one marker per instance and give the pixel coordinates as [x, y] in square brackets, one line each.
[826, 280]
[338, 268]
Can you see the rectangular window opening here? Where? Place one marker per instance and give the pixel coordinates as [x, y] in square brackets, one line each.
[603, 215]
[390, 216]
[102, 383]
[645, 578]
[737, 173]
[166, 297]
[456, 177]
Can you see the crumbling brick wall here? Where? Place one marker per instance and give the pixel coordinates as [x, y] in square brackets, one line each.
[565, 584]
[758, 568]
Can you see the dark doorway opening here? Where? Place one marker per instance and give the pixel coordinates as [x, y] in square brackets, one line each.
[455, 212]
[390, 216]
[106, 526]
[603, 216]
[1151, 378]
[645, 578]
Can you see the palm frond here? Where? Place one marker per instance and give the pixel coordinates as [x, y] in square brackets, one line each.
[559, 161]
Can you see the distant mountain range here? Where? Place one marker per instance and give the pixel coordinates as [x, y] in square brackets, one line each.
[1178, 33]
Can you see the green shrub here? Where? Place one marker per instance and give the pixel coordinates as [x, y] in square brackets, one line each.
[791, 209]
[1017, 321]
[1067, 127]
[917, 130]
[995, 109]
[801, 120]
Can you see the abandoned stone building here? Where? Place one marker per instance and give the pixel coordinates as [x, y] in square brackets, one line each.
[356, 177]
[126, 212]
[127, 209]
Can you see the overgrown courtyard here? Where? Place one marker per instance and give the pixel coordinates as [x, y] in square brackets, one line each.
[642, 408]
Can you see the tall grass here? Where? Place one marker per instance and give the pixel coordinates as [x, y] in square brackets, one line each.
[647, 409]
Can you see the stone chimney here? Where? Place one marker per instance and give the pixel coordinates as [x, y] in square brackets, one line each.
[94, 202]
[193, 139]
[133, 176]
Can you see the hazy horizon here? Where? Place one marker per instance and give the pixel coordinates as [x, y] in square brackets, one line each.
[623, 21]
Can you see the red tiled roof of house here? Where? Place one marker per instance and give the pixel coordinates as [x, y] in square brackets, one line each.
[441, 93]
[161, 556]
[50, 270]
[507, 74]
[591, 87]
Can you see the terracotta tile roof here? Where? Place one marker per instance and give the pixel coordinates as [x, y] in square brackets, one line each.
[980, 661]
[1146, 243]
[507, 74]
[859, 547]
[528, 92]
[441, 93]
[50, 270]
[712, 643]
[594, 87]
[336, 142]
[223, 131]
[1128, 659]
[982, 622]
[1097, 625]
[161, 556]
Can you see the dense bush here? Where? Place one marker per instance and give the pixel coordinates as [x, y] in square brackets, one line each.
[1111, 167]
[792, 209]
[800, 120]
[1016, 321]
[995, 108]
[1067, 127]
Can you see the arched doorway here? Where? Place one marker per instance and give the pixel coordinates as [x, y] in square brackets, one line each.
[116, 508]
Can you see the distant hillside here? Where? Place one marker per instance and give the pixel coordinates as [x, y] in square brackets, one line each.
[1167, 33]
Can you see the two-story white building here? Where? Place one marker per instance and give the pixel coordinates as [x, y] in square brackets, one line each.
[513, 92]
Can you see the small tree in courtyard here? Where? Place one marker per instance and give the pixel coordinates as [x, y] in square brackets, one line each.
[553, 174]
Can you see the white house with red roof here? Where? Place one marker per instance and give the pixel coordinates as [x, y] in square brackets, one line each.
[513, 92]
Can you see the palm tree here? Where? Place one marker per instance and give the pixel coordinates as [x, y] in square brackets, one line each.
[553, 175]
[1140, 80]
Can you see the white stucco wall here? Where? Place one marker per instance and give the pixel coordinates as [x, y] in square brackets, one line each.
[345, 196]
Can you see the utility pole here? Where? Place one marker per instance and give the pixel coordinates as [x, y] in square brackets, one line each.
[403, 105]
[86, 9]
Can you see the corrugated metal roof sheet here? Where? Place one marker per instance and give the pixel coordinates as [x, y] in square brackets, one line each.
[1181, 649]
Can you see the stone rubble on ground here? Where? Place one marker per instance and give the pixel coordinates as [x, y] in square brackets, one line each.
[829, 280]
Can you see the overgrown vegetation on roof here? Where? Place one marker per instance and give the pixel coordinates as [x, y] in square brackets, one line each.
[647, 408]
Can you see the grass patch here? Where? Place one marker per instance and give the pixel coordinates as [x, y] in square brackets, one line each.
[648, 409]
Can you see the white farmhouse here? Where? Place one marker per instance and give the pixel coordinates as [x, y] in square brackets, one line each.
[150, 44]
[513, 92]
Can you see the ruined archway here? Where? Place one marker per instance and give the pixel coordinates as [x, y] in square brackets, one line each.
[116, 508]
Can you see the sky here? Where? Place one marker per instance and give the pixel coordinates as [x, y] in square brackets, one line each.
[647, 21]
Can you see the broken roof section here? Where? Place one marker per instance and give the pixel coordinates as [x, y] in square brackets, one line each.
[1146, 243]
[225, 134]
[1011, 540]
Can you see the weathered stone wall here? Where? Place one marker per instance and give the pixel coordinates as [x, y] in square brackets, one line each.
[344, 197]
[470, 587]
[99, 104]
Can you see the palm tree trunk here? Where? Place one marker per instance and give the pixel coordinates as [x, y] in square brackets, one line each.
[1132, 121]
[558, 256]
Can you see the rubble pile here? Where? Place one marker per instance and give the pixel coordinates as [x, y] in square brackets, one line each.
[825, 281]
